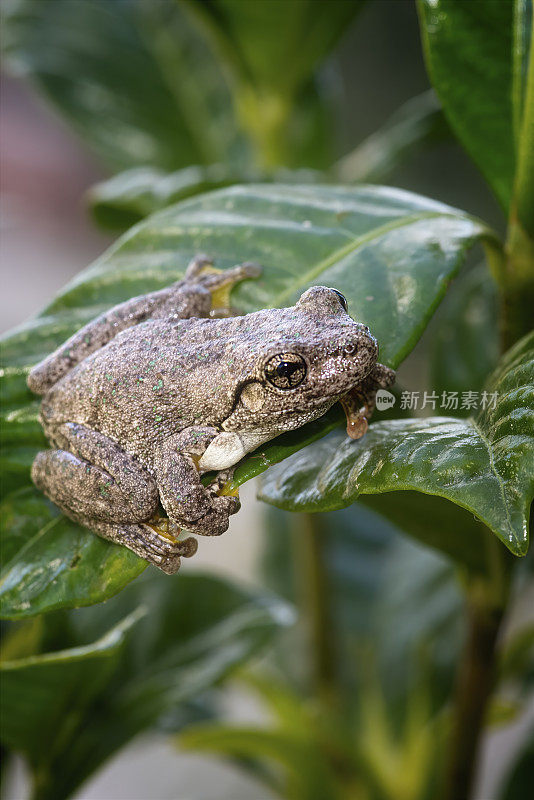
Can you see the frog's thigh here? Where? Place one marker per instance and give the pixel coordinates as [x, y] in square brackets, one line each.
[91, 497]
[134, 489]
[83, 490]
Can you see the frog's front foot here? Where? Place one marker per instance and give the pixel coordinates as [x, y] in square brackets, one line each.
[216, 520]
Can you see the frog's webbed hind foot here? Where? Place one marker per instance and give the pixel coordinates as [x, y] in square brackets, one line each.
[147, 541]
[219, 282]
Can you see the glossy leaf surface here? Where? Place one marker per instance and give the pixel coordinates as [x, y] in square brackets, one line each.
[49, 562]
[130, 196]
[46, 687]
[483, 464]
[477, 56]
[390, 252]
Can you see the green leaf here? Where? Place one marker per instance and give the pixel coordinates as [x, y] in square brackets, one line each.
[349, 548]
[173, 83]
[418, 620]
[21, 639]
[390, 252]
[465, 345]
[131, 196]
[275, 56]
[134, 78]
[524, 107]
[49, 562]
[418, 122]
[47, 692]
[389, 610]
[516, 666]
[482, 464]
[92, 699]
[379, 591]
[272, 67]
[288, 755]
[438, 524]
[477, 55]
[306, 774]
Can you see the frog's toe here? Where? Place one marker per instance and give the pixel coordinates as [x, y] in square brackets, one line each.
[198, 265]
[156, 546]
[228, 504]
[219, 282]
[162, 549]
[383, 376]
[216, 520]
[222, 484]
[167, 564]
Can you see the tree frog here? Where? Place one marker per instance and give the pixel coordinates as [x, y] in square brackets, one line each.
[168, 386]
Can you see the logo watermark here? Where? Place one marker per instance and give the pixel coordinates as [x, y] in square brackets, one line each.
[384, 399]
[443, 401]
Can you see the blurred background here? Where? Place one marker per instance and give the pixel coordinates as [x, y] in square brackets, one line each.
[48, 236]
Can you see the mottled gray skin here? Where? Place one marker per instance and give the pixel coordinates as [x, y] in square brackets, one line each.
[154, 393]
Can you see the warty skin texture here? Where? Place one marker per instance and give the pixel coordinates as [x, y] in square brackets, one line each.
[146, 398]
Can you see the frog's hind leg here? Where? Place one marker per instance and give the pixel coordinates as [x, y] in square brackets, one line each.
[91, 497]
[99, 486]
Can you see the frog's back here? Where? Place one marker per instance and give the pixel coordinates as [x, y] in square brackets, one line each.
[149, 382]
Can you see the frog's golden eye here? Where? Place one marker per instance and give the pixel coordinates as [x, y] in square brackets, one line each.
[285, 370]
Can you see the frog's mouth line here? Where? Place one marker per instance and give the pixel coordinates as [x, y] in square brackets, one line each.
[356, 414]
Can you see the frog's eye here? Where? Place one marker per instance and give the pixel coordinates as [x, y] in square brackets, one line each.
[342, 300]
[285, 370]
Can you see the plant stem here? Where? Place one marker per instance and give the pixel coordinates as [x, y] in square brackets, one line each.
[314, 592]
[517, 293]
[486, 603]
[473, 690]
[518, 278]
[524, 181]
[263, 112]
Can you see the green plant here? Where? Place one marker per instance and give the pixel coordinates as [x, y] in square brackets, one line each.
[217, 96]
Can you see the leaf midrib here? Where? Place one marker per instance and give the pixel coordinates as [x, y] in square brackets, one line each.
[498, 476]
[353, 245]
